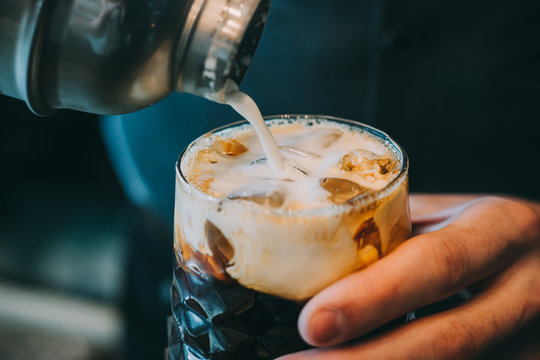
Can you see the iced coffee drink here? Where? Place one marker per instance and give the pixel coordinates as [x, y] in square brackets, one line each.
[252, 244]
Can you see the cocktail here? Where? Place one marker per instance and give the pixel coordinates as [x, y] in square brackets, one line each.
[252, 245]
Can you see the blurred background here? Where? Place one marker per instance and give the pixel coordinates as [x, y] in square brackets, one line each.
[62, 245]
[85, 251]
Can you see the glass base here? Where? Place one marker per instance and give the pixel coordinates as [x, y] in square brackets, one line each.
[213, 320]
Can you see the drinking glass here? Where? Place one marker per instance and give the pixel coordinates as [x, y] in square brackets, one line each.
[215, 317]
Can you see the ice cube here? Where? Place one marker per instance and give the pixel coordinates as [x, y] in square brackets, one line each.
[208, 156]
[296, 167]
[326, 137]
[399, 233]
[269, 195]
[366, 162]
[341, 190]
[202, 265]
[289, 165]
[219, 245]
[313, 140]
[368, 234]
[300, 153]
[385, 165]
[259, 161]
[229, 147]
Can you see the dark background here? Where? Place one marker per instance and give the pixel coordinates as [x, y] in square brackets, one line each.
[456, 83]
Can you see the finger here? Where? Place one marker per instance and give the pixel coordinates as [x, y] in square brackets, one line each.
[426, 205]
[436, 221]
[423, 270]
[461, 333]
[433, 212]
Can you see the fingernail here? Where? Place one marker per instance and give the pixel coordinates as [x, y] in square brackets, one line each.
[325, 325]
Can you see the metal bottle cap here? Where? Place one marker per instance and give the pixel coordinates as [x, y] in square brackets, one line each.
[219, 46]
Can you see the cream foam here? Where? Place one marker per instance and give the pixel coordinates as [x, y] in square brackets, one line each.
[311, 150]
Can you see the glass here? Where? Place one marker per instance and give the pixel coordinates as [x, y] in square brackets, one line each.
[216, 317]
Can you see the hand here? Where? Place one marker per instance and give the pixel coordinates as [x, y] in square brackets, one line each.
[489, 243]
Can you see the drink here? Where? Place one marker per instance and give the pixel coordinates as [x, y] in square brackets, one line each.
[252, 244]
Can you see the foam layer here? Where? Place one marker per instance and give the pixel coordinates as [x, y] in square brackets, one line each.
[312, 150]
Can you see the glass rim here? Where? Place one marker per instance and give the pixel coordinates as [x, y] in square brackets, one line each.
[357, 202]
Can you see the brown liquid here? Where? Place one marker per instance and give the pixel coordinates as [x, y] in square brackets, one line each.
[217, 318]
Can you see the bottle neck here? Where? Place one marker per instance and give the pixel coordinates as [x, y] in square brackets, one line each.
[217, 44]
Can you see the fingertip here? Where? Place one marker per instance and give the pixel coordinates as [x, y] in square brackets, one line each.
[321, 326]
[302, 323]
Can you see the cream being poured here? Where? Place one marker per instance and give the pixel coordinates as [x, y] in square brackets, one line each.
[245, 106]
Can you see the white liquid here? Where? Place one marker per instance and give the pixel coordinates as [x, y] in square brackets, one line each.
[245, 106]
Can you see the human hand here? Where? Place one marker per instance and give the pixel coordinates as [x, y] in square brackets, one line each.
[489, 244]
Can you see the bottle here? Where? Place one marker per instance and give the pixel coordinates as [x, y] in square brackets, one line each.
[119, 56]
